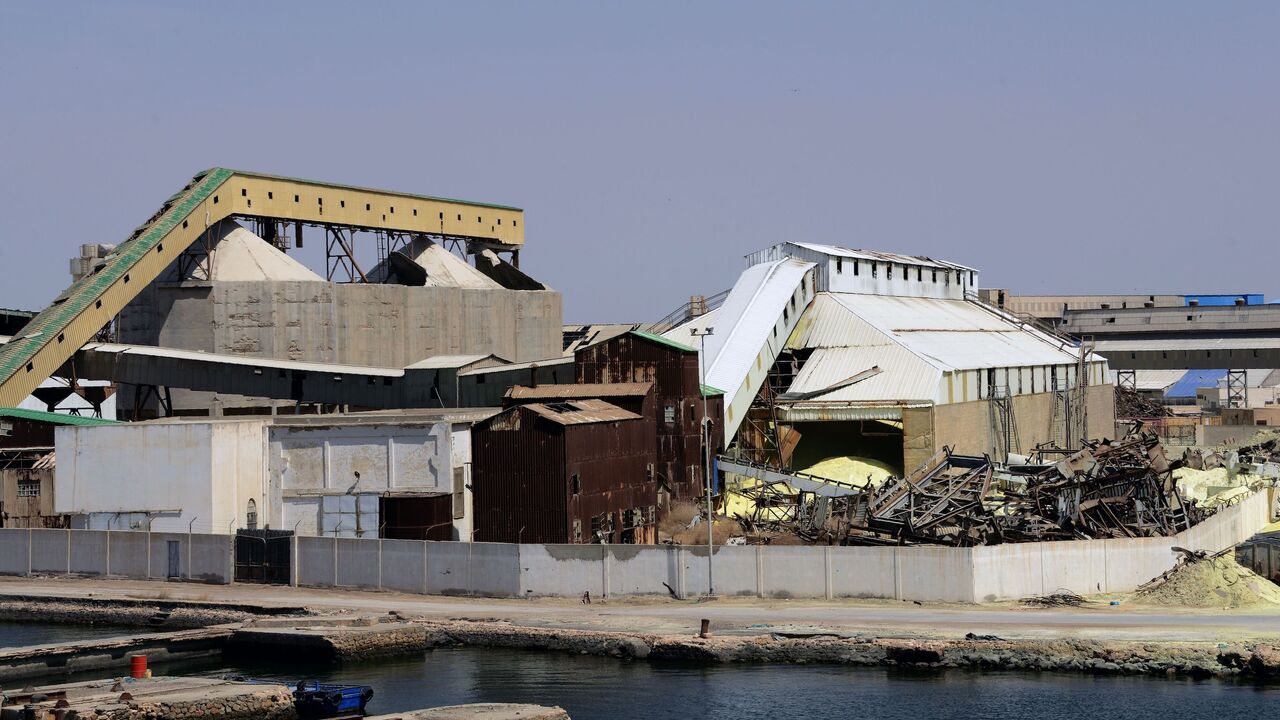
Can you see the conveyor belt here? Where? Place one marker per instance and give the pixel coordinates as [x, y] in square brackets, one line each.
[53, 336]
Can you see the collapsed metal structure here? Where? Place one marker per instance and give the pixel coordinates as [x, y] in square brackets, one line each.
[1108, 489]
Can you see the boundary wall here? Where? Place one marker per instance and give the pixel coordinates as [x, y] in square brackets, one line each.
[131, 554]
[935, 574]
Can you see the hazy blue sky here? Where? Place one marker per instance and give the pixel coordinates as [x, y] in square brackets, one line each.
[1076, 146]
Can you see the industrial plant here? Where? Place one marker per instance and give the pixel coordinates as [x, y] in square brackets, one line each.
[198, 380]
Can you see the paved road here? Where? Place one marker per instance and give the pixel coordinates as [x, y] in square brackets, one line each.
[728, 615]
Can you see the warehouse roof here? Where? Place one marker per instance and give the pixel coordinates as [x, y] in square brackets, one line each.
[881, 256]
[947, 334]
[1194, 380]
[581, 412]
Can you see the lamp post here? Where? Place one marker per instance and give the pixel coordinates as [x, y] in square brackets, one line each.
[706, 447]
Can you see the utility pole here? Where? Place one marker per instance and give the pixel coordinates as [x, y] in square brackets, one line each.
[706, 448]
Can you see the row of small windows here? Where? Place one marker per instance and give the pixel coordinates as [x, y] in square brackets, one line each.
[906, 269]
[391, 209]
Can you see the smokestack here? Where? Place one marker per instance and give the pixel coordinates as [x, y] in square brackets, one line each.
[533, 376]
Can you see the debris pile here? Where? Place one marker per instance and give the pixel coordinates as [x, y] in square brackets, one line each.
[1201, 580]
[1109, 489]
[1131, 404]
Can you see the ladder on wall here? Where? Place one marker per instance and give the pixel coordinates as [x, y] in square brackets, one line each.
[1004, 426]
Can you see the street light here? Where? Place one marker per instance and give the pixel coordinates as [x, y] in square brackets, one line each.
[706, 446]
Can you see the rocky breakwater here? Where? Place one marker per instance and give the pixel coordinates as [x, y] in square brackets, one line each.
[978, 652]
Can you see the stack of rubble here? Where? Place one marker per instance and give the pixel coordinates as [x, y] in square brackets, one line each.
[1109, 489]
[1131, 404]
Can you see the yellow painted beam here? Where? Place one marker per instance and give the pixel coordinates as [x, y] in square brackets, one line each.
[53, 336]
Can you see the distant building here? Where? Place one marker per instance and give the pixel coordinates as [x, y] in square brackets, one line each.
[826, 352]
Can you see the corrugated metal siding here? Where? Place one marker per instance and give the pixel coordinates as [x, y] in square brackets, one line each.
[518, 479]
[904, 377]
[612, 463]
[674, 374]
[955, 334]
[522, 468]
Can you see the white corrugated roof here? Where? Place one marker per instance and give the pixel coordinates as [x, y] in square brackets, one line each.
[949, 334]
[748, 317]
[954, 334]
[882, 256]
[903, 376]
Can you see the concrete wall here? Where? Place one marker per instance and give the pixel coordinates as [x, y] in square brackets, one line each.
[353, 324]
[966, 426]
[913, 573]
[308, 463]
[131, 554]
[936, 574]
[165, 477]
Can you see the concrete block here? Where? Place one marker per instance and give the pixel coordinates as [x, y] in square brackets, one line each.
[936, 574]
[212, 559]
[89, 552]
[402, 565]
[863, 572]
[1079, 566]
[49, 551]
[358, 563]
[735, 570]
[794, 571]
[128, 554]
[1133, 561]
[641, 569]
[1001, 572]
[564, 570]
[13, 551]
[315, 561]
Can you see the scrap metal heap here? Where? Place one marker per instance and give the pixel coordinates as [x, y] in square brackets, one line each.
[1109, 489]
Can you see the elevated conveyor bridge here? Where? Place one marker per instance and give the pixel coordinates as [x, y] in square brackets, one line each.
[79, 313]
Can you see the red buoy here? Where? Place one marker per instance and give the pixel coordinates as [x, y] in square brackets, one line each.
[138, 666]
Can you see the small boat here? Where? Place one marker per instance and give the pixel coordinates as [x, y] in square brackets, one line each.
[316, 700]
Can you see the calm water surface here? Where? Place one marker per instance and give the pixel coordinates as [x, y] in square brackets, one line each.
[597, 688]
[18, 634]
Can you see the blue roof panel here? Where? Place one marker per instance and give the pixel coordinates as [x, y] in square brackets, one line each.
[1194, 380]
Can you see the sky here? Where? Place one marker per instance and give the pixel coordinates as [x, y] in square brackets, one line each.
[1081, 147]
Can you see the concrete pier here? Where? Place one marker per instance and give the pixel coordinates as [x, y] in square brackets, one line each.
[333, 639]
[166, 698]
[109, 654]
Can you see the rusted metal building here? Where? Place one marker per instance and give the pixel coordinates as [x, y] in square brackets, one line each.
[577, 471]
[672, 367]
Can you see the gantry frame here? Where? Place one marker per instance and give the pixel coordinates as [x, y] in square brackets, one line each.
[75, 317]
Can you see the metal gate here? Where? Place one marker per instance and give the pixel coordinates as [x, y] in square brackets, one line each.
[262, 556]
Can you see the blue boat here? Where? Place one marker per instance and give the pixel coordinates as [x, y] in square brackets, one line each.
[316, 700]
